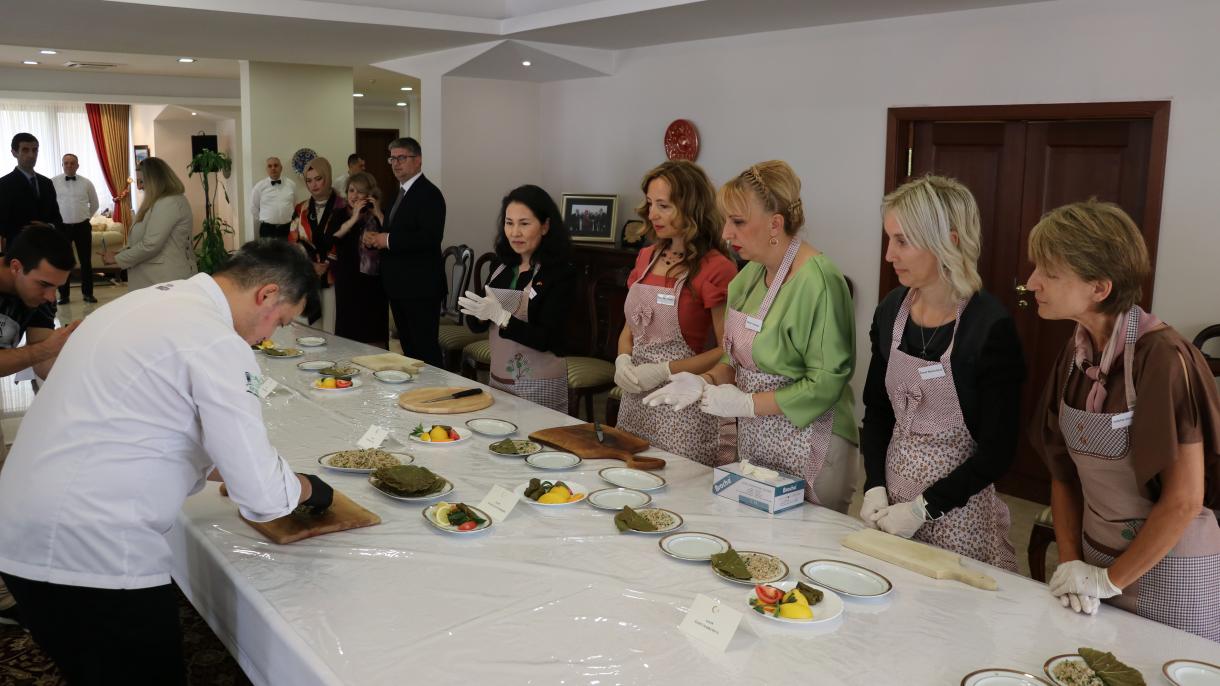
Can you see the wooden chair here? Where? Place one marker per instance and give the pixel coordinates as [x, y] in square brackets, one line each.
[588, 376]
[453, 335]
[1208, 334]
[1040, 539]
[476, 353]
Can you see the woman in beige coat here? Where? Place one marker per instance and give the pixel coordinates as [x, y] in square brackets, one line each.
[159, 244]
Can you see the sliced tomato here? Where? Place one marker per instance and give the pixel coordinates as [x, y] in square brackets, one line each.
[453, 435]
[467, 526]
[768, 594]
[343, 383]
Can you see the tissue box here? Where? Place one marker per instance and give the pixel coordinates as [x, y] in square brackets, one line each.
[778, 495]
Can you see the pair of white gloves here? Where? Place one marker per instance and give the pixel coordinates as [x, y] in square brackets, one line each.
[683, 390]
[485, 307]
[900, 519]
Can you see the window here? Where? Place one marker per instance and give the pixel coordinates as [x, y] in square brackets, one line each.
[61, 128]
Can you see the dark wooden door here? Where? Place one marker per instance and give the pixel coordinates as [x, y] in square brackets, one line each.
[1019, 165]
[373, 145]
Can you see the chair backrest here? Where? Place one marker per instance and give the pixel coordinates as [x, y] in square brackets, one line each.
[605, 298]
[1208, 334]
[482, 271]
[458, 261]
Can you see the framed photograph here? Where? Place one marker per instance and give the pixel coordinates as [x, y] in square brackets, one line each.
[591, 218]
[142, 153]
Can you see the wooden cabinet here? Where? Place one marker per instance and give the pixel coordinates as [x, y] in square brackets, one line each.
[597, 311]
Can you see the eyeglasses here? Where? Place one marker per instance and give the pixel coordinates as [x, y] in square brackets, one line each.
[401, 158]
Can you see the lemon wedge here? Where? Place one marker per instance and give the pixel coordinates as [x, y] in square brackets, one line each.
[441, 514]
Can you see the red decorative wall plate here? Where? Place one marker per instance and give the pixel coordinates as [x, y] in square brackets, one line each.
[682, 140]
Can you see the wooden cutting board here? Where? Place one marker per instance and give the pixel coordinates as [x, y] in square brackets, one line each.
[580, 439]
[384, 361]
[343, 514]
[413, 400]
[930, 561]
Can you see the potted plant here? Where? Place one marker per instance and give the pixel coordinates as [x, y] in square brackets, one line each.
[209, 243]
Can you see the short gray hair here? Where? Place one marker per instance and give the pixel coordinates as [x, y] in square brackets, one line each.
[930, 209]
[409, 144]
[271, 261]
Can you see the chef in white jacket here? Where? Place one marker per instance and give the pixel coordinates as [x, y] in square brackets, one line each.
[151, 393]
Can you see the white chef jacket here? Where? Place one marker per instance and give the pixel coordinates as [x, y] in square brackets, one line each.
[273, 203]
[77, 198]
[147, 395]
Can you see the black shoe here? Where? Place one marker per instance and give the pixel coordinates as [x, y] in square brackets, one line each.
[61, 301]
[12, 616]
[90, 299]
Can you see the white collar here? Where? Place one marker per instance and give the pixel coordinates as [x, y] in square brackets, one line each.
[407, 184]
[213, 291]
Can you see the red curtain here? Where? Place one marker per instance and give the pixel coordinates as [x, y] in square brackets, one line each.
[109, 124]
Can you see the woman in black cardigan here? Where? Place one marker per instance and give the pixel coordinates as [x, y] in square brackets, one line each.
[943, 388]
[528, 298]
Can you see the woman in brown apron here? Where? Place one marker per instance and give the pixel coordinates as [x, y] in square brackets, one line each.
[788, 342]
[674, 308]
[1129, 425]
[527, 298]
[944, 385]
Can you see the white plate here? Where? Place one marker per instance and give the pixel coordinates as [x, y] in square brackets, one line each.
[746, 554]
[627, 477]
[489, 426]
[445, 490]
[618, 498]
[829, 608]
[572, 486]
[289, 353]
[311, 341]
[1191, 673]
[1048, 667]
[847, 579]
[461, 437]
[392, 376]
[693, 546]
[675, 526]
[429, 510]
[403, 458]
[314, 365]
[529, 448]
[356, 383]
[552, 459]
[1001, 677]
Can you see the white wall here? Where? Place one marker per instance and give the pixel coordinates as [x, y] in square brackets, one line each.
[490, 146]
[818, 97]
[384, 118]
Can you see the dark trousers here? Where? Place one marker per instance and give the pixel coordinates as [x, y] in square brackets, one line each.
[418, 322]
[100, 636]
[81, 236]
[266, 230]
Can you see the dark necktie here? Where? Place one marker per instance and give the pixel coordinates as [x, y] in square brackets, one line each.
[276, 182]
[397, 202]
[69, 178]
[34, 185]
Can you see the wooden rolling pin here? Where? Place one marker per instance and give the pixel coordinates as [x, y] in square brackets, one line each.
[937, 563]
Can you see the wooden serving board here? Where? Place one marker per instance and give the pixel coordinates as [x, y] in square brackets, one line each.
[580, 439]
[930, 561]
[385, 361]
[343, 514]
[414, 400]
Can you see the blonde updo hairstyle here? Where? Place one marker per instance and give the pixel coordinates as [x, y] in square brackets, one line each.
[777, 188]
[931, 210]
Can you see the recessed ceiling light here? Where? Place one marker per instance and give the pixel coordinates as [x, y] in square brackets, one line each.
[357, 95]
[401, 104]
[525, 63]
[406, 88]
[29, 62]
[48, 52]
[186, 60]
[193, 114]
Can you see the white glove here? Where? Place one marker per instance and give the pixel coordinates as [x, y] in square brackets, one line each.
[903, 519]
[1084, 604]
[484, 307]
[1083, 579]
[624, 374]
[876, 499]
[683, 390]
[652, 374]
[727, 400]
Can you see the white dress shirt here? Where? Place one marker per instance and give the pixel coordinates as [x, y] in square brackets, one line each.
[340, 185]
[147, 395]
[273, 203]
[77, 198]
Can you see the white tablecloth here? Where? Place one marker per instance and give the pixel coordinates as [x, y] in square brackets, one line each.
[558, 596]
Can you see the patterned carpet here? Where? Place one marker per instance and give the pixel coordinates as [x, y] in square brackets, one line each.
[208, 663]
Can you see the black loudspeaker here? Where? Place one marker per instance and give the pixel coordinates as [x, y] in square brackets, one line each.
[201, 143]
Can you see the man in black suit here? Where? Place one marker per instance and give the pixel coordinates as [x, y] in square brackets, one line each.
[412, 271]
[26, 197]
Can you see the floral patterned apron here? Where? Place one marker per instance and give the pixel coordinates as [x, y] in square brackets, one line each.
[540, 377]
[930, 441]
[652, 314]
[773, 441]
[1183, 589]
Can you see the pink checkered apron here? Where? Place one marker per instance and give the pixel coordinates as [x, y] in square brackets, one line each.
[652, 314]
[773, 441]
[539, 377]
[931, 440]
[1183, 589]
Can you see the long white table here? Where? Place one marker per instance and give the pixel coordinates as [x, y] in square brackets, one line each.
[558, 596]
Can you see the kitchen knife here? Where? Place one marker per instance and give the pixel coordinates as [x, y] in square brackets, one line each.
[597, 429]
[454, 396]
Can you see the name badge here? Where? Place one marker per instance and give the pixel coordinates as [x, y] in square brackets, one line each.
[666, 299]
[753, 323]
[532, 293]
[932, 371]
[1122, 419]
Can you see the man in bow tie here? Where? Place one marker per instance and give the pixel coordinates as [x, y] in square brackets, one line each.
[271, 202]
[77, 204]
[26, 197]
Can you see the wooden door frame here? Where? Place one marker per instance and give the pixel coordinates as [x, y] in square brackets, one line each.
[899, 119]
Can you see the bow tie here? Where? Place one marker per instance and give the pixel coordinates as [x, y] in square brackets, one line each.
[69, 178]
[276, 182]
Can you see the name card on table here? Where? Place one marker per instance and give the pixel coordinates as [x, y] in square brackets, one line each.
[498, 502]
[373, 438]
[266, 387]
[711, 622]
